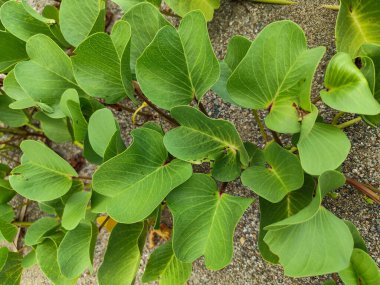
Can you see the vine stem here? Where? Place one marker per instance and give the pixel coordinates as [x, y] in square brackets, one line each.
[276, 138]
[104, 223]
[84, 177]
[128, 109]
[201, 106]
[331, 7]
[151, 105]
[337, 117]
[22, 224]
[349, 123]
[260, 124]
[364, 189]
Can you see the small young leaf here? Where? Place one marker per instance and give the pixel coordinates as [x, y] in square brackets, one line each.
[357, 24]
[238, 47]
[199, 137]
[123, 255]
[101, 128]
[164, 266]
[347, 88]
[362, 270]
[75, 253]
[306, 242]
[43, 175]
[284, 174]
[80, 19]
[226, 167]
[207, 7]
[127, 178]
[178, 66]
[277, 79]
[198, 204]
[150, 17]
[39, 230]
[75, 210]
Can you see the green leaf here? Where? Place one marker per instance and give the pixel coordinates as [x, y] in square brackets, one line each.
[237, 48]
[226, 167]
[47, 260]
[329, 282]
[39, 230]
[101, 122]
[43, 174]
[12, 51]
[358, 240]
[164, 266]
[271, 213]
[197, 204]
[178, 66]
[23, 22]
[306, 243]
[49, 67]
[14, 91]
[75, 253]
[199, 137]
[29, 260]
[6, 191]
[6, 213]
[127, 178]
[144, 14]
[322, 147]
[363, 270]
[115, 147]
[70, 106]
[12, 269]
[347, 88]
[277, 79]
[12, 118]
[7, 231]
[357, 24]
[98, 67]
[3, 257]
[81, 19]
[75, 210]
[122, 258]
[57, 130]
[283, 174]
[207, 7]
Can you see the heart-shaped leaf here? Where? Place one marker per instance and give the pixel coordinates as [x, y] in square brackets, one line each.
[283, 175]
[201, 138]
[357, 24]
[198, 204]
[122, 258]
[271, 213]
[76, 251]
[43, 174]
[362, 270]
[313, 241]
[80, 19]
[127, 178]
[276, 74]
[47, 74]
[182, 8]
[178, 66]
[237, 48]
[347, 88]
[150, 17]
[164, 266]
[101, 64]
[75, 210]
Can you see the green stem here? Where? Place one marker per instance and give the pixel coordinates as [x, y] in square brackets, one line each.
[337, 117]
[276, 138]
[260, 124]
[331, 7]
[22, 224]
[349, 123]
[34, 128]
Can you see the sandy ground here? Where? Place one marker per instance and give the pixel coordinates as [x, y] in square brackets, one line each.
[248, 268]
